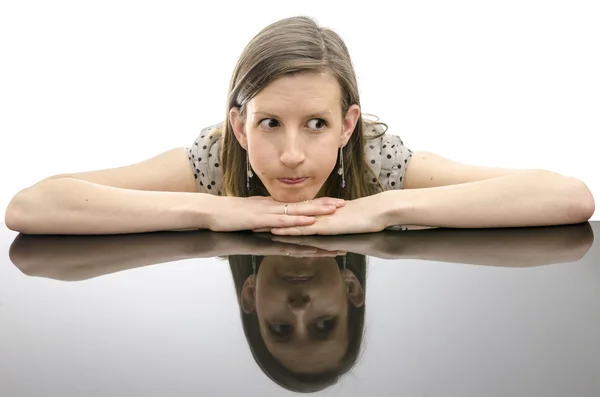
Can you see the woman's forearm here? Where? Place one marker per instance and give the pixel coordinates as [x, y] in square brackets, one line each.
[514, 247]
[82, 257]
[534, 198]
[72, 206]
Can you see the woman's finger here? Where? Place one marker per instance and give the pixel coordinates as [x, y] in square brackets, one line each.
[269, 222]
[308, 209]
[320, 253]
[302, 230]
[328, 201]
[321, 243]
[295, 240]
[277, 221]
[305, 253]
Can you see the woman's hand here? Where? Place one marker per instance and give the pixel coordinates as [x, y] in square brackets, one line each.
[385, 245]
[364, 215]
[263, 245]
[255, 213]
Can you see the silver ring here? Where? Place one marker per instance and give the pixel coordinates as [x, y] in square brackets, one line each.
[285, 209]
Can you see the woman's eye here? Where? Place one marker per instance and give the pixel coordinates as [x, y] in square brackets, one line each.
[280, 329]
[319, 125]
[271, 123]
[325, 325]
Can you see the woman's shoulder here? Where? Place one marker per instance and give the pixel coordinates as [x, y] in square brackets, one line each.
[386, 155]
[209, 134]
[203, 155]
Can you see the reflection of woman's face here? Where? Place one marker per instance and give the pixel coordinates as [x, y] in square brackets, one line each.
[302, 308]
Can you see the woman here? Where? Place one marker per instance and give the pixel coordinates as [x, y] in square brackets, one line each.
[268, 167]
[303, 318]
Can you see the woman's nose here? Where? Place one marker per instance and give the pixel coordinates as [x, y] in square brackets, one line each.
[298, 302]
[293, 153]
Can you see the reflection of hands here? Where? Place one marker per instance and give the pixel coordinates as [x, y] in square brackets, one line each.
[383, 245]
[255, 245]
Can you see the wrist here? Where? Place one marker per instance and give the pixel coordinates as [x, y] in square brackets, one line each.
[201, 210]
[394, 208]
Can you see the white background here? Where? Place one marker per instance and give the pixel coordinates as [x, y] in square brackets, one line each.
[88, 85]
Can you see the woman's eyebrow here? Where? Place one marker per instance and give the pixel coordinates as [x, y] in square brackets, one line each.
[314, 114]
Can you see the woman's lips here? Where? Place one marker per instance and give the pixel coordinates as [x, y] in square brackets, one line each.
[292, 181]
[297, 279]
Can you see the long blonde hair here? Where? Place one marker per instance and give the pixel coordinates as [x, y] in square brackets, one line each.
[286, 47]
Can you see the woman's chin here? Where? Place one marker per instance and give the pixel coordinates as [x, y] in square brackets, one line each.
[292, 195]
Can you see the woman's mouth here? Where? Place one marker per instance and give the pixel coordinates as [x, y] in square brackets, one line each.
[297, 279]
[292, 181]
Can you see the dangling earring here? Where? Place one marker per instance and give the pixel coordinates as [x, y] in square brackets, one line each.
[344, 262]
[249, 173]
[341, 169]
[253, 265]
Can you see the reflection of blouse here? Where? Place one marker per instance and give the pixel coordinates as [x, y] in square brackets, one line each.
[386, 156]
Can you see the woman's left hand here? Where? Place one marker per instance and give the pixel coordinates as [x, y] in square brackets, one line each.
[364, 215]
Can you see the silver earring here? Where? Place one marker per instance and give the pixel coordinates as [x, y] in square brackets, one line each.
[249, 173]
[253, 265]
[341, 169]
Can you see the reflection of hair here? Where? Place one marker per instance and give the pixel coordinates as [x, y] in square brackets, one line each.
[241, 268]
[287, 47]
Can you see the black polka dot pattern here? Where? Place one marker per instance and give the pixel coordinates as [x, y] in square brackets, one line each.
[387, 158]
[204, 158]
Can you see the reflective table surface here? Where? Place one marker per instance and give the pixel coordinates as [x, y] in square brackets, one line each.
[437, 312]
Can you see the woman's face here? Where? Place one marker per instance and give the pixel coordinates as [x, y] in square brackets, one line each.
[293, 131]
[302, 310]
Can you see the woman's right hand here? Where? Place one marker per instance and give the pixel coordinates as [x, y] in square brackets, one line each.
[256, 213]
